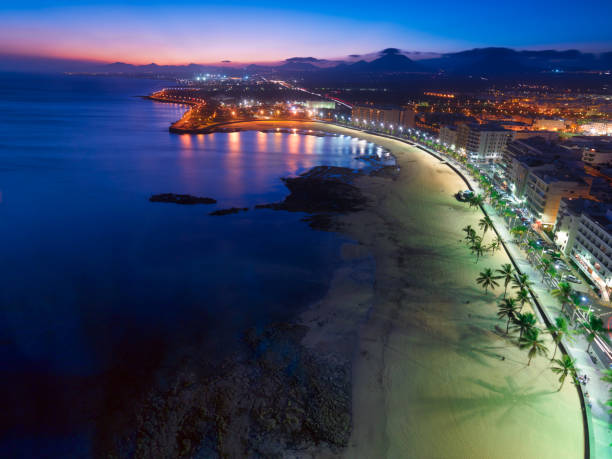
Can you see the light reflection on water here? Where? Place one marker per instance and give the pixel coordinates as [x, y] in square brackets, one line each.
[96, 280]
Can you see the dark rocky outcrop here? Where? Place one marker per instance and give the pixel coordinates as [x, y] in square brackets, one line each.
[231, 210]
[321, 189]
[275, 398]
[181, 199]
[323, 192]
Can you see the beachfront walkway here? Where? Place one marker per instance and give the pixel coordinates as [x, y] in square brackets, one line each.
[600, 421]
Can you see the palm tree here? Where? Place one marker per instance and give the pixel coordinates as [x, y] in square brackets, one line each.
[607, 377]
[494, 246]
[470, 234]
[531, 340]
[522, 297]
[558, 330]
[476, 200]
[563, 293]
[507, 309]
[521, 281]
[543, 266]
[485, 224]
[565, 366]
[524, 322]
[594, 328]
[477, 248]
[518, 231]
[468, 231]
[506, 272]
[487, 280]
[498, 240]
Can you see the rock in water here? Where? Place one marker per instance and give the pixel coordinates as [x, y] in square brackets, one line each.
[181, 199]
[231, 210]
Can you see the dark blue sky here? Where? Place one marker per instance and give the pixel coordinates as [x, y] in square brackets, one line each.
[248, 30]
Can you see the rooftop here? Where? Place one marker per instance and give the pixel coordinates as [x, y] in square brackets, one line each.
[559, 174]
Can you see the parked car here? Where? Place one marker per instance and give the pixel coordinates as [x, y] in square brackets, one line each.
[571, 278]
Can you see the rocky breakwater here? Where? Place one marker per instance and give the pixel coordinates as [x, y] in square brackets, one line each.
[275, 398]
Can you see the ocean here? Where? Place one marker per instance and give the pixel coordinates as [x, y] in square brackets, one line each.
[100, 288]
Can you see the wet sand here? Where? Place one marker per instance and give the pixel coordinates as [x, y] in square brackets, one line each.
[428, 376]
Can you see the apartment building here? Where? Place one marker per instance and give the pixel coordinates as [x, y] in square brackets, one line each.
[598, 156]
[387, 116]
[546, 187]
[482, 143]
[448, 135]
[584, 231]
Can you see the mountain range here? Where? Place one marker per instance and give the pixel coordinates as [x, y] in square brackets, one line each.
[391, 61]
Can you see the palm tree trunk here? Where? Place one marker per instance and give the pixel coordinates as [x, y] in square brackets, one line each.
[561, 386]
[508, 325]
[554, 353]
[529, 361]
[589, 346]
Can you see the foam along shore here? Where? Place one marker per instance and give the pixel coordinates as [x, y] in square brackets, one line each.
[431, 376]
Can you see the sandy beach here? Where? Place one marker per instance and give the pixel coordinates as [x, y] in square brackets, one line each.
[431, 376]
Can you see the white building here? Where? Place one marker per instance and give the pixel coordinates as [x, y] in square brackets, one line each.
[386, 117]
[548, 125]
[597, 157]
[597, 128]
[546, 187]
[448, 135]
[584, 231]
[483, 143]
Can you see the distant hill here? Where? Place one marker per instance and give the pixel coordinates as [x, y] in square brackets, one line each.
[505, 61]
[387, 63]
[390, 63]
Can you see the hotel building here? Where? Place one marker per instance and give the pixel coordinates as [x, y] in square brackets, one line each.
[584, 233]
[482, 143]
[387, 116]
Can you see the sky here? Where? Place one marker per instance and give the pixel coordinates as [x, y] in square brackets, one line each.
[180, 32]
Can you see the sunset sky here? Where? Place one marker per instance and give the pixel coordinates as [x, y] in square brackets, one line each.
[269, 30]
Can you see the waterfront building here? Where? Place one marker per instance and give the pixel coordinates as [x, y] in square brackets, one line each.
[448, 135]
[387, 116]
[535, 151]
[584, 232]
[482, 143]
[320, 105]
[546, 186]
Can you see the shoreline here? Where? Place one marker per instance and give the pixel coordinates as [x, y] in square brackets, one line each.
[338, 333]
[430, 374]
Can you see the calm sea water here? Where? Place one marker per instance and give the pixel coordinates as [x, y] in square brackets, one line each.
[98, 286]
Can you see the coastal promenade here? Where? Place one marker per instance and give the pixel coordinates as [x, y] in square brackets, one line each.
[595, 425]
[593, 394]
